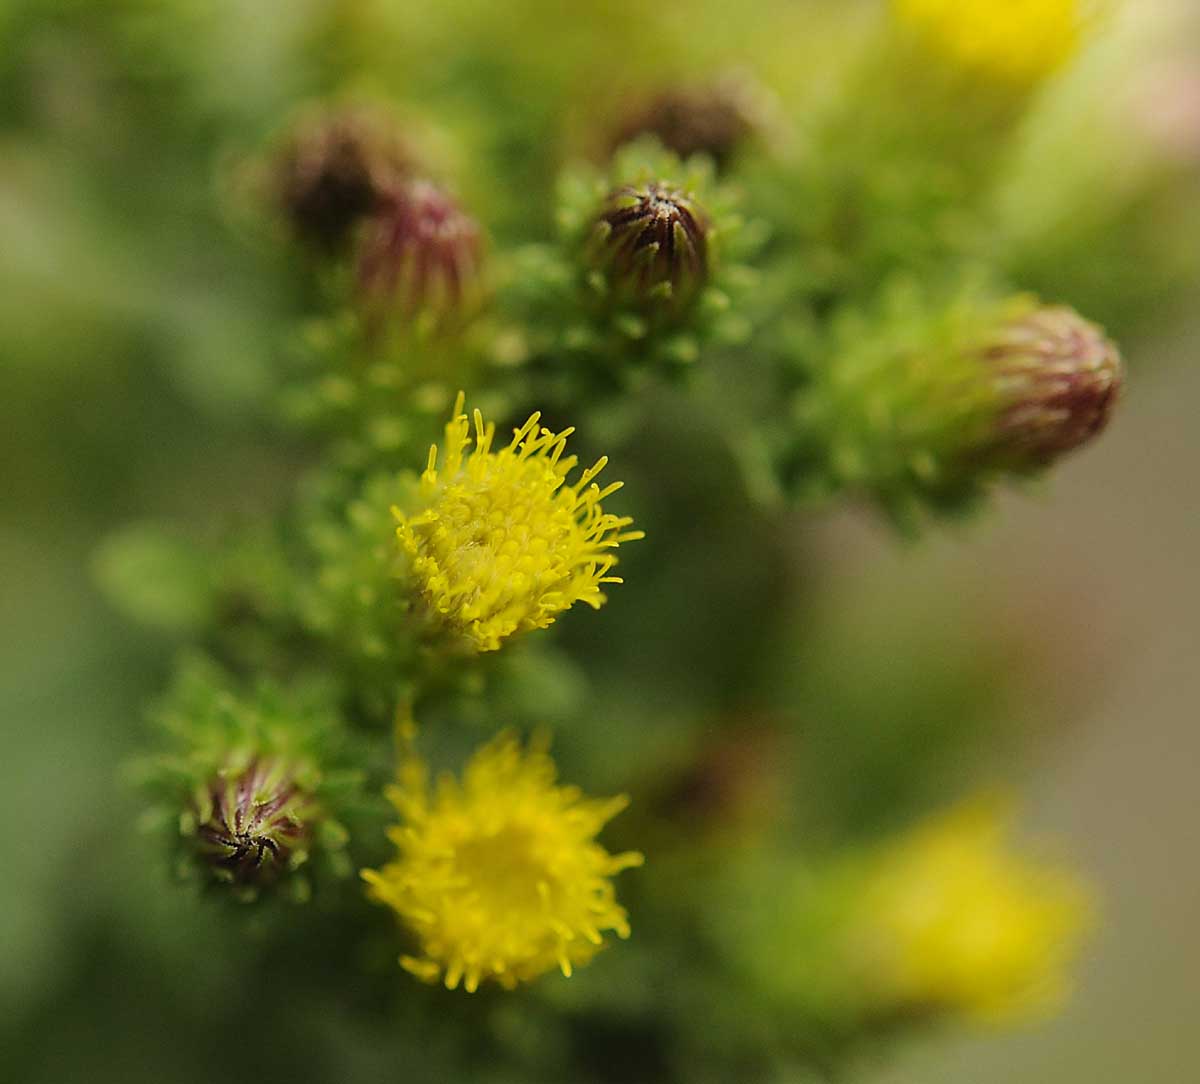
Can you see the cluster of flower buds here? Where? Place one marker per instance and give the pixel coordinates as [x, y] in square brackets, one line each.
[346, 179]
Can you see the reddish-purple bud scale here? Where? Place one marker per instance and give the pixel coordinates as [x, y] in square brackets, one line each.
[1061, 378]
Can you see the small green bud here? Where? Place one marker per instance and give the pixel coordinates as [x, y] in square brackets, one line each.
[651, 241]
[420, 255]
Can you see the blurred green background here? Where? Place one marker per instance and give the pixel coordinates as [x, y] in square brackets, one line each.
[139, 324]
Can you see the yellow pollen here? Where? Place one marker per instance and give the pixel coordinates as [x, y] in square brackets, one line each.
[505, 543]
[499, 876]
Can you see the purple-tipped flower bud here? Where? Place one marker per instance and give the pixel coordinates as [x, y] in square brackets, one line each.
[1060, 376]
[252, 823]
[420, 254]
[652, 242]
[714, 118]
[332, 172]
[931, 402]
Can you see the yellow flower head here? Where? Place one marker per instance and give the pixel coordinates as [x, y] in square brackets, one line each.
[1017, 41]
[505, 543]
[500, 876]
[953, 920]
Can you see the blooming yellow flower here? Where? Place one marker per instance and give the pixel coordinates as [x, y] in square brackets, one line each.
[504, 543]
[1021, 41]
[952, 920]
[500, 876]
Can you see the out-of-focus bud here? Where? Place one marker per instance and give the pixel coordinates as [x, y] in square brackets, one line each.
[651, 241]
[1060, 377]
[710, 118]
[252, 822]
[332, 170]
[421, 255]
[926, 403]
[731, 785]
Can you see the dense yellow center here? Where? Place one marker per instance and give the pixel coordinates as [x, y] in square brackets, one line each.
[500, 877]
[505, 543]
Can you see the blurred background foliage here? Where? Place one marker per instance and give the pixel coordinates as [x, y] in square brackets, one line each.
[147, 321]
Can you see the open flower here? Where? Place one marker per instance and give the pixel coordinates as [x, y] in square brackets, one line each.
[500, 876]
[505, 543]
[1019, 41]
[952, 920]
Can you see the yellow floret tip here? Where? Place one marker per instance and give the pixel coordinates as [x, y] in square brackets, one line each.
[499, 876]
[959, 922]
[1018, 41]
[505, 543]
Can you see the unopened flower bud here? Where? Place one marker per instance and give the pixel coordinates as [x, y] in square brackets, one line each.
[927, 403]
[421, 253]
[651, 240]
[331, 173]
[713, 119]
[732, 783]
[251, 823]
[1061, 377]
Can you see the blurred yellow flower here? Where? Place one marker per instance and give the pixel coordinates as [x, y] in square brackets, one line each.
[1020, 41]
[951, 919]
[505, 543]
[500, 876]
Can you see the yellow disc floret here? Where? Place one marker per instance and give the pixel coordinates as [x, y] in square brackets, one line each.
[1020, 41]
[500, 876]
[505, 543]
[953, 920]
